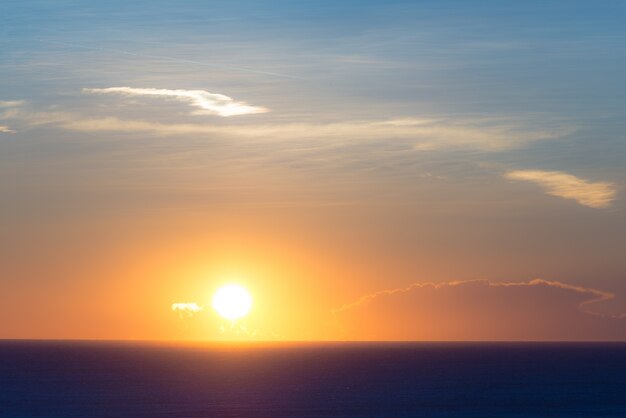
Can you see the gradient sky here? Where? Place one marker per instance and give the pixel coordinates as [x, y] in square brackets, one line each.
[445, 170]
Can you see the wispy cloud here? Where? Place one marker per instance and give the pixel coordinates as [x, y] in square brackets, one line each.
[11, 103]
[568, 186]
[186, 308]
[172, 59]
[417, 134]
[208, 103]
[8, 104]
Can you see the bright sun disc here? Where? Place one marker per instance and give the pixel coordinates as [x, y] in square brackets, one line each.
[232, 302]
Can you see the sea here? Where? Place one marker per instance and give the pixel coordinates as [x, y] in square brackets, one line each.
[191, 380]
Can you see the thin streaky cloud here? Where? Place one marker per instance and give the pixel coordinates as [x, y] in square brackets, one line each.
[419, 134]
[209, 103]
[172, 59]
[6, 130]
[11, 103]
[557, 183]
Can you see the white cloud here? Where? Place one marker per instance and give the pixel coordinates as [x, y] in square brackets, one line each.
[208, 103]
[186, 308]
[567, 186]
[6, 130]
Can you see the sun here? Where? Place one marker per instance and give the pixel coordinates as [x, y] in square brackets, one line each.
[232, 302]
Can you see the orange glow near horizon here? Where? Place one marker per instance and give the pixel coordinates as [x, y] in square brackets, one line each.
[297, 286]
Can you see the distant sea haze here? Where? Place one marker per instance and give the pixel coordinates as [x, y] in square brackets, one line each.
[117, 380]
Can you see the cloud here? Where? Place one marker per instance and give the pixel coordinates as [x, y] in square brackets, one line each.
[567, 186]
[414, 134]
[186, 309]
[213, 326]
[482, 310]
[173, 59]
[208, 103]
[7, 105]
[11, 103]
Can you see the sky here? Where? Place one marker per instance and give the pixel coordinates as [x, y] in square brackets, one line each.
[399, 170]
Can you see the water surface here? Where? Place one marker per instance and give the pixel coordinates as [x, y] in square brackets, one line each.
[106, 379]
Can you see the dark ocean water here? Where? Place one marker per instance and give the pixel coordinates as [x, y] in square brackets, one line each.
[80, 379]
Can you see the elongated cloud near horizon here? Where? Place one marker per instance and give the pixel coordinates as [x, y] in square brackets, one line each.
[568, 186]
[482, 310]
[208, 103]
[6, 130]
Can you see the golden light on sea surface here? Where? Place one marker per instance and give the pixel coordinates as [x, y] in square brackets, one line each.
[232, 302]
